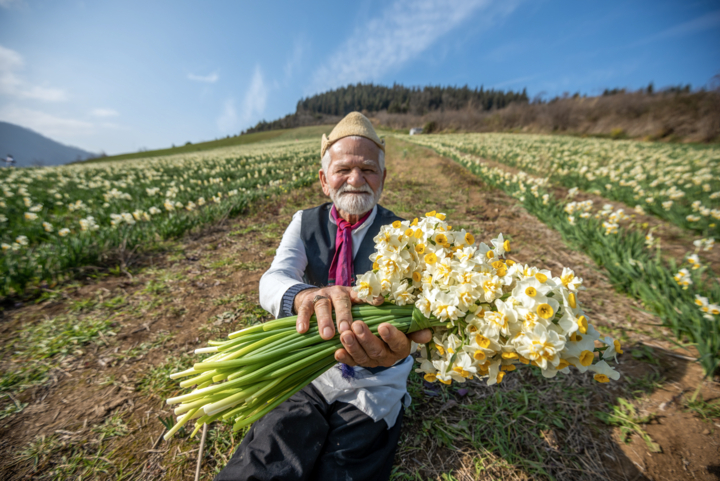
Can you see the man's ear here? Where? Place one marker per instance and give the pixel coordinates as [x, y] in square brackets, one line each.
[324, 182]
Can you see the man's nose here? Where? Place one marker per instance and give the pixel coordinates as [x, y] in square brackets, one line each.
[356, 178]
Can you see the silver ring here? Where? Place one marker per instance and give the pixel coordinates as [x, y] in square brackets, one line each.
[317, 298]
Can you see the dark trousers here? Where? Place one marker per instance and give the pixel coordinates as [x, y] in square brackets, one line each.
[305, 438]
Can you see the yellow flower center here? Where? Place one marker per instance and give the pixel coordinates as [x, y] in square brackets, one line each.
[562, 365]
[440, 349]
[482, 341]
[541, 278]
[430, 214]
[430, 258]
[545, 311]
[586, 358]
[506, 245]
[448, 382]
[498, 264]
[509, 355]
[440, 216]
[420, 248]
[500, 376]
[469, 239]
[429, 377]
[489, 254]
[417, 277]
[472, 329]
[418, 233]
[582, 325]
[408, 232]
[530, 291]
[479, 355]
[567, 279]
[601, 378]
[508, 367]
[441, 239]
[396, 224]
[571, 300]
[414, 222]
[510, 262]
[618, 347]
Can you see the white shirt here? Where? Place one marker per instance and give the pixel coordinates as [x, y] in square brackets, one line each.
[380, 395]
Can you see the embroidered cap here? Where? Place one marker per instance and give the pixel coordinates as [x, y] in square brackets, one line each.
[354, 123]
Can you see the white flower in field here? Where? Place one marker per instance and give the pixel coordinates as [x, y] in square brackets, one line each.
[603, 372]
[702, 302]
[169, 205]
[571, 192]
[368, 286]
[650, 200]
[639, 210]
[608, 186]
[649, 239]
[692, 218]
[2, 204]
[694, 261]
[232, 193]
[683, 278]
[706, 187]
[610, 227]
[2, 219]
[178, 205]
[151, 191]
[154, 210]
[704, 244]
[667, 205]
[36, 208]
[22, 240]
[30, 216]
[571, 219]
[47, 226]
[424, 304]
[464, 366]
[715, 195]
[713, 310]
[191, 206]
[27, 201]
[570, 280]
[613, 348]
[545, 199]
[500, 245]
[495, 323]
[201, 201]
[63, 232]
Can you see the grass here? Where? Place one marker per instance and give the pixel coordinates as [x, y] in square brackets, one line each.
[707, 410]
[626, 417]
[527, 425]
[41, 347]
[275, 135]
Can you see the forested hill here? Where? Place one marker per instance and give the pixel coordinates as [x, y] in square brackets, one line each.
[396, 99]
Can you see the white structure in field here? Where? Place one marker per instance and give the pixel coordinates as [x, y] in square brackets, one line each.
[416, 131]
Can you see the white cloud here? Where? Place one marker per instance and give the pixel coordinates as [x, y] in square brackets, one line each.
[402, 32]
[104, 113]
[253, 105]
[709, 21]
[210, 78]
[227, 122]
[58, 128]
[12, 85]
[295, 59]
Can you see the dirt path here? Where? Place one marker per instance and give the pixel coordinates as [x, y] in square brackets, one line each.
[97, 412]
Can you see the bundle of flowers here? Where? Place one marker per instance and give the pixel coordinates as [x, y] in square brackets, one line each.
[497, 314]
[488, 313]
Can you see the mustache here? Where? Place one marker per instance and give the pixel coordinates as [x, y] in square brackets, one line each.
[348, 188]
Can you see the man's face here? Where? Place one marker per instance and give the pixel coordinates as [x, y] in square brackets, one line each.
[354, 180]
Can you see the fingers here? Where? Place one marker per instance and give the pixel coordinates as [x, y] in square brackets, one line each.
[375, 348]
[304, 308]
[342, 303]
[323, 312]
[354, 350]
[421, 337]
[395, 339]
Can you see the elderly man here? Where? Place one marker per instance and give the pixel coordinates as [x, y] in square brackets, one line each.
[346, 424]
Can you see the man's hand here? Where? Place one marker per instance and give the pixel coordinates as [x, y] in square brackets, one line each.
[363, 348]
[341, 298]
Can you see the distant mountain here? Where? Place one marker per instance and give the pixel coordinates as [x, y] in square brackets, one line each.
[32, 149]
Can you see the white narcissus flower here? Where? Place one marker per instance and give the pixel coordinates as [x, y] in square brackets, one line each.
[613, 348]
[603, 372]
[541, 346]
[368, 286]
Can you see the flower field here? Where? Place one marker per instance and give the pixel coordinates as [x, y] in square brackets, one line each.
[85, 364]
[54, 220]
[686, 297]
[678, 183]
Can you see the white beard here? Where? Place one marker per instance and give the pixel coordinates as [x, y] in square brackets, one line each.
[355, 204]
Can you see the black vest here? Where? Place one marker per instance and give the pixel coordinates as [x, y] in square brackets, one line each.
[318, 236]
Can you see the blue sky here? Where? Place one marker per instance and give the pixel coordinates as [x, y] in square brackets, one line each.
[123, 75]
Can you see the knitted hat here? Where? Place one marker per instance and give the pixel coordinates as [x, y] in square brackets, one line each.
[354, 123]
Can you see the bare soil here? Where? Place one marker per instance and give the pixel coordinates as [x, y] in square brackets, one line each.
[197, 288]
